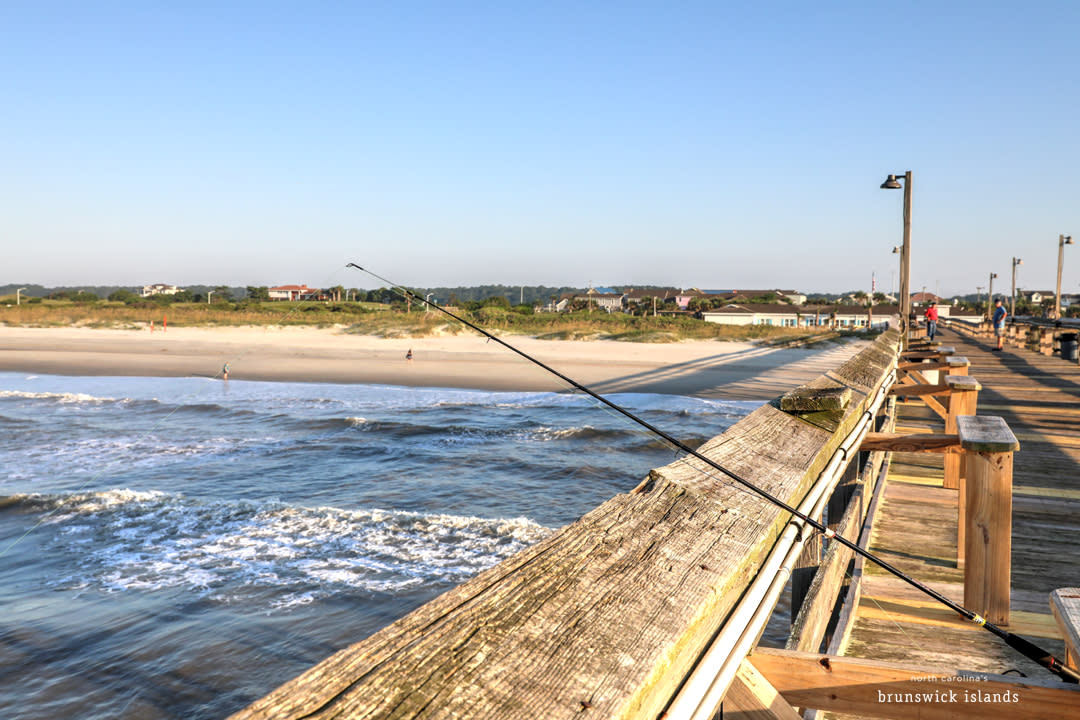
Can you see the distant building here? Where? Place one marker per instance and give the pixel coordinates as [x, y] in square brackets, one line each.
[603, 299]
[159, 289]
[801, 316]
[295, 292]
[924, 298]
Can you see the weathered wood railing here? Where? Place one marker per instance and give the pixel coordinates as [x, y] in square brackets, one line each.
[1039, 337]
[615, 613]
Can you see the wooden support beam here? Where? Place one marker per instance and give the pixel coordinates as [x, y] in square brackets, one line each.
[988, 518]
[920, 366]
[921, 442]
[941, 352]
[872, 688]
[812, 620]
[963, 400]
[919, 390]
[752, 697]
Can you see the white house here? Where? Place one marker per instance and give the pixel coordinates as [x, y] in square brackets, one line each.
[159, 289]
[841, 316]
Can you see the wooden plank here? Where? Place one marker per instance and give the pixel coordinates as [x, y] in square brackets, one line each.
[920, 442]
[609, 613]
[1065, 606]
[808, 628]
[985, 433]
[933, 613]
[871, 688]
[751, 697]
[962, 383]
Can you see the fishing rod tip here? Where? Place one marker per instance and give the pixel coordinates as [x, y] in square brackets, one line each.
[355, 266]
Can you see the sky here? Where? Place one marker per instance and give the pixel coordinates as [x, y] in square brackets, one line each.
[692, 144]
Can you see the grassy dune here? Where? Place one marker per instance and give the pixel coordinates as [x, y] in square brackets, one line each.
[381, 320]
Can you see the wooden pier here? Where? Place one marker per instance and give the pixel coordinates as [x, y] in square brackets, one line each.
[651, 605]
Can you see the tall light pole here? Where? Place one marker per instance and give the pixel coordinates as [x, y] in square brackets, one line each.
[209, 295]
[1063, 240]
[891, 183]
[18, 300]
[978, 295]
[427, 298]
[1012, 305]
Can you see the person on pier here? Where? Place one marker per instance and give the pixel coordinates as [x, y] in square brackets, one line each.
[1000, 314]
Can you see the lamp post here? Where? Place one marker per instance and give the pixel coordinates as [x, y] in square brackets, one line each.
[892, 183]
[990, 294]
[427, 299]
[1012, 305]
[1063, 240]
[209, 295]
[18, 299]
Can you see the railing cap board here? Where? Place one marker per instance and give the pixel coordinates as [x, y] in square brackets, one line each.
[962, 383]
[958, 361]
[985, 433]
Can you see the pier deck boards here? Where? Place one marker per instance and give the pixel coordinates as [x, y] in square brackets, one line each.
[1039, 398]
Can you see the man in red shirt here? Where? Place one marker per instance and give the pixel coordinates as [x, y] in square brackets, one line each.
[931, 320]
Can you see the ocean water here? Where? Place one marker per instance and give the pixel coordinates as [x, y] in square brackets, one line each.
[178, 547]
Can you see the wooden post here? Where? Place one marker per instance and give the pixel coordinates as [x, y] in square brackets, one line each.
[988, 568]
[958, 365]
[802, 575]
[962, 400]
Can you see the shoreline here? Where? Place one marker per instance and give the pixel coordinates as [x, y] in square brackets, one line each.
[703, 368]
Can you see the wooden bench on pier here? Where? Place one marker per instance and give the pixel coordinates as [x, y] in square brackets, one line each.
[1065, 606]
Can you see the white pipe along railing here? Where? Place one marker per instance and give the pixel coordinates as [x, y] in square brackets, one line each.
[704, 690]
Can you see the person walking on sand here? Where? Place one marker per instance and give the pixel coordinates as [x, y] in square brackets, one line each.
[408, 355]
[225, 372]
[1000, 313]
[931, 320]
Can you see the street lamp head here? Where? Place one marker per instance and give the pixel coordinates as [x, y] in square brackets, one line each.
[891, 183]
[1068, 240]
[896, 250]
[993, 275]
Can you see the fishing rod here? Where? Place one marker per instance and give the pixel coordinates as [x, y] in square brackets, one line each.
[1024, 647]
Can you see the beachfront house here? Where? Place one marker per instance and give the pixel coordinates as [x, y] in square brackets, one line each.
[159, 289]
[604, 299]
[801, 316]
[295, 292]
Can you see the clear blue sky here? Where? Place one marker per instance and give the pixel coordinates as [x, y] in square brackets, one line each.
[558, 143]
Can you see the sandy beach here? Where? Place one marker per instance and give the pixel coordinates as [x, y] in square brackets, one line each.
[705, 368]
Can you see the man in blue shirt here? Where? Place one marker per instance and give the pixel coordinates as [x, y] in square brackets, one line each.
[999, 322]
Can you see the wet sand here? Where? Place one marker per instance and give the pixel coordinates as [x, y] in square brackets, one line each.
[705, 368]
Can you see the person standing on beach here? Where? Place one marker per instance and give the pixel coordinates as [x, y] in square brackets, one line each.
[408, 355]
[1000, 314]
[931, 320]
[225, 372]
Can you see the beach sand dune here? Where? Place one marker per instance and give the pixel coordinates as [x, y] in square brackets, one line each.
[705, 368]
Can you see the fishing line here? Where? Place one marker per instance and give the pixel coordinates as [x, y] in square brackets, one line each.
[180, 404]
[1026, 648]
